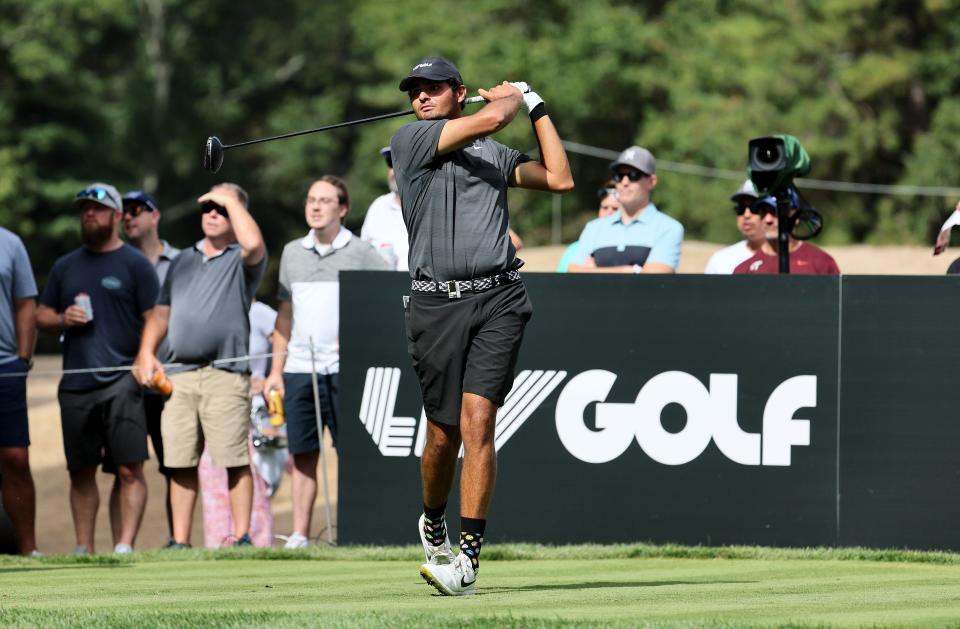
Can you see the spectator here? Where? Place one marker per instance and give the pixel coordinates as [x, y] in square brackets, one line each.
[383, 225]
[102, 412]
[309, 278]
[609, 203]
[723, 262]
[18, 335]
[638, 238]
[214, 483]
[805, 258]
[141, 218]
[203, 312]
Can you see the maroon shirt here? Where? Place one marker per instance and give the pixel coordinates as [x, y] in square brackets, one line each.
[806, 260]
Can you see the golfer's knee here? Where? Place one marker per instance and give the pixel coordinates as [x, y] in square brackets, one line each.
[129, 474]
[14, 462]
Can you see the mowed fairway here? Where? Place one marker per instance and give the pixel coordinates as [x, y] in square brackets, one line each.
[520, 586]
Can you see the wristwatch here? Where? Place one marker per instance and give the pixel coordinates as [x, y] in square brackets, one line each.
[637, 268]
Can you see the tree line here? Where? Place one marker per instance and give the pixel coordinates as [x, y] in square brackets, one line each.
[126, 91]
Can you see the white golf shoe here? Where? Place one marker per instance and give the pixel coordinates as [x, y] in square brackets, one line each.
[455, 579]
[440, 555]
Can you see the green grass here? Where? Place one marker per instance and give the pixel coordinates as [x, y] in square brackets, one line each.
[520, 586]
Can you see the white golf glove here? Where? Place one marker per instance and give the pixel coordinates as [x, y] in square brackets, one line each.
[530, 98]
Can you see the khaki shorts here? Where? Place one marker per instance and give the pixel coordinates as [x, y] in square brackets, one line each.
[209, 405]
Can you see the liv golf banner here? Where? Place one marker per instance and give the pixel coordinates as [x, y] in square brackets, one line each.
[691, 409]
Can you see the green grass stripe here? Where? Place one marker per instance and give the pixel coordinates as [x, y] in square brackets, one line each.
[179, 589]
[507, 552]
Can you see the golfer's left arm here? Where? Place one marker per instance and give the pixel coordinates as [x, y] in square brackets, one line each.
[552, 172]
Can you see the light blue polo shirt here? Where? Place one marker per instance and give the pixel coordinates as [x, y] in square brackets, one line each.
[652, 237]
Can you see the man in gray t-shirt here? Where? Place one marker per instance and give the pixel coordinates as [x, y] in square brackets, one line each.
[202, 311]
[468, 308]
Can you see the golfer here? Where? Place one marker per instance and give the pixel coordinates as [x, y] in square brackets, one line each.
[468, 307]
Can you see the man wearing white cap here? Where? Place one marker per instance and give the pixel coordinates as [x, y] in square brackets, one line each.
[638, 238]
[750, 224]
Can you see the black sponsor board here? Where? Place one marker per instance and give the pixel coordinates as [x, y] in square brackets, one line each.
[707, 353]
[900, 413]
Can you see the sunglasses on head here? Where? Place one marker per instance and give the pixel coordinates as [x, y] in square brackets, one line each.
[95, 193]
[603, 193]
[633, 174]
[208, 206]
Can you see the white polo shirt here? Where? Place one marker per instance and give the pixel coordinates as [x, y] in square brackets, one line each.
[384, 228]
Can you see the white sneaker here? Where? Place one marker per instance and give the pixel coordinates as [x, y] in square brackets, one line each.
[81, 549]
[122, 549]
[456, 579]
[440, 555]
[297, 540]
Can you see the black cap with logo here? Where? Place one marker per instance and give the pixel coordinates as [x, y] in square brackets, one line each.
[431, 69]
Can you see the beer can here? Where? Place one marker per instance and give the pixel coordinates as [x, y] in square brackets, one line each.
[275, 406]
[83, 301]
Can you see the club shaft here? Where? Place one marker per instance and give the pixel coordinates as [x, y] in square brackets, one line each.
[349, 123]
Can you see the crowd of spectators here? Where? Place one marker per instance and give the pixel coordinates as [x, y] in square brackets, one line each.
[140, 306]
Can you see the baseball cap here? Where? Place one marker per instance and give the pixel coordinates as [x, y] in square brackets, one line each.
[431, 69]
[102, 193]
[772, 200]
[746, 190]
[636, 157]
[138, 197]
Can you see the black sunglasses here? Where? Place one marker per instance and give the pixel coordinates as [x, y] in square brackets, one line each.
[208, 206]
[389, 161]
[742, 205]
[762, 209]
[136, 209]
[633, 174]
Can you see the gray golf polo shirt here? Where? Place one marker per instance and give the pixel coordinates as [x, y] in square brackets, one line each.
[454, 205]
[209, 299]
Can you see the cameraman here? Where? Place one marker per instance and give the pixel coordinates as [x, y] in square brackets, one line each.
[805, 258]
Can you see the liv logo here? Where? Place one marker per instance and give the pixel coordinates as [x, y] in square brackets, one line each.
[711, 415]
[399, 436]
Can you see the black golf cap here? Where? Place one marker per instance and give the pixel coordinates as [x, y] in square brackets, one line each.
[431, 69]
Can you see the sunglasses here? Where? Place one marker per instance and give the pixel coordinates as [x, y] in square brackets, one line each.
[633, 174]
[762, 209]
[97, 194]
[389, 161]
[208, 206]
[603, 193]
[135, 210]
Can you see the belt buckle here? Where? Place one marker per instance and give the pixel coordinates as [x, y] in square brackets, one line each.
[453, 289]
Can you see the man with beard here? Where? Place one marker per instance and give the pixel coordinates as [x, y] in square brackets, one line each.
[97, 298]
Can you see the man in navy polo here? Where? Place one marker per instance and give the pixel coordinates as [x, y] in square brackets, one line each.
[637, 239]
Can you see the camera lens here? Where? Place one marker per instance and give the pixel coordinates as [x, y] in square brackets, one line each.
[768, 154]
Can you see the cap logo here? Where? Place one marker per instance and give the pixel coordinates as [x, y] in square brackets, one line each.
[629, 154]
[421, 65]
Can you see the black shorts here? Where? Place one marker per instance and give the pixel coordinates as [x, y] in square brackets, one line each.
[301, 413]
[14, 430]
[153, 407]
[109, 421]
[465, 345]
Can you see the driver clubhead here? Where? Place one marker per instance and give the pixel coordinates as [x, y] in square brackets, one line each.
[213, 154]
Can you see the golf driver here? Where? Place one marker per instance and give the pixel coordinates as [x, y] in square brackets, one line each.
[214, 148]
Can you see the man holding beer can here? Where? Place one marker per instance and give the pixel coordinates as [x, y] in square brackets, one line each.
[97, 298]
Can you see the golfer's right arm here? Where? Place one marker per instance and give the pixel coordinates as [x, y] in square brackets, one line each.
[281, 340]
[154, 329]
[504, 103]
